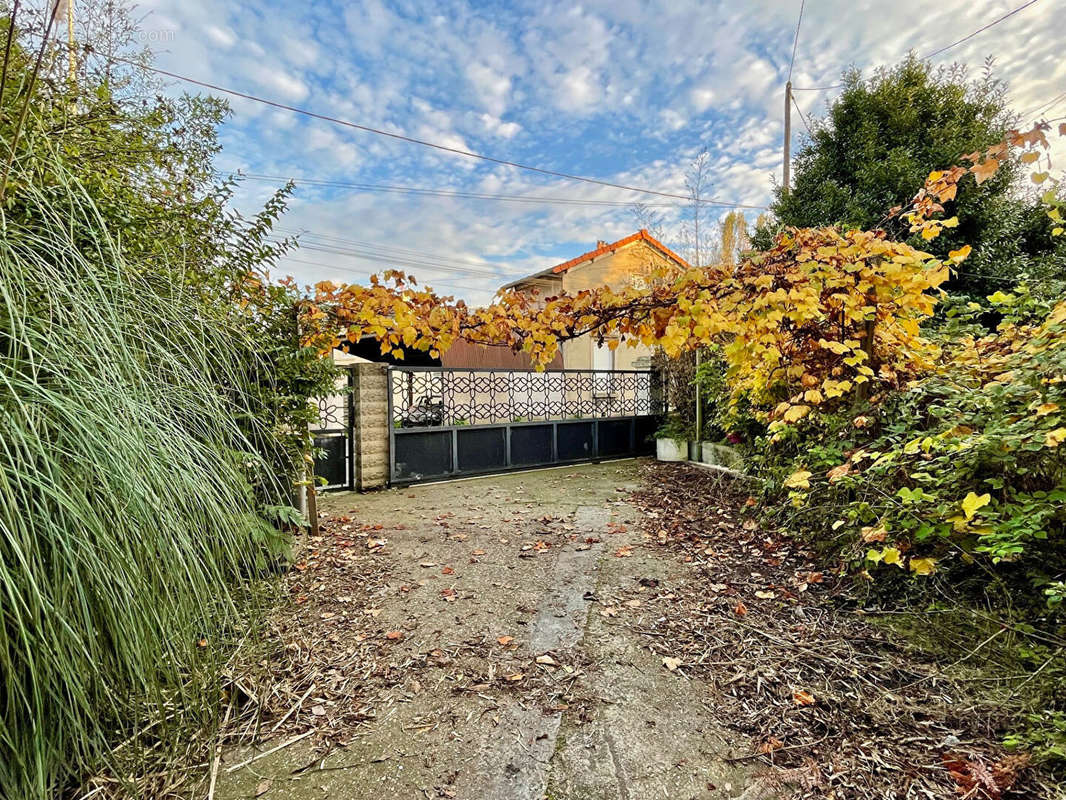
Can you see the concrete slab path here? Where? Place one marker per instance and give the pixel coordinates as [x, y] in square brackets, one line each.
[508, 676]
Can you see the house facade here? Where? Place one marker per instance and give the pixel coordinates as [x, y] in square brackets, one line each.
[619, 265]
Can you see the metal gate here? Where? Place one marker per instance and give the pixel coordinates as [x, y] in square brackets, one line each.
[446, 423]
[332, 435]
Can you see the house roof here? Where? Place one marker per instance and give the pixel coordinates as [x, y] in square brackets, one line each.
[603, 249]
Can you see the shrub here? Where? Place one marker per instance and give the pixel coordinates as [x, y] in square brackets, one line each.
[126, 509]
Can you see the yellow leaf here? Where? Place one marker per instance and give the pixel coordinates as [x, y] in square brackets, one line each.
[973, 501]
[960, 254]
[923, 566]
[799, 480]
[1047, 408]
[1029, 158]
[1055, 438]
[1001, 298]
[890, 555]
[796, 413]
[1039, 177]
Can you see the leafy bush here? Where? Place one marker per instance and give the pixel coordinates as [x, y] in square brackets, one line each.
[964, 464]
[153, 409]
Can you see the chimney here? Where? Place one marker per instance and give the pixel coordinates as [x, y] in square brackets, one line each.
[600, 244]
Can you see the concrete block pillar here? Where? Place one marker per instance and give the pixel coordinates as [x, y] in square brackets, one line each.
[370, 425]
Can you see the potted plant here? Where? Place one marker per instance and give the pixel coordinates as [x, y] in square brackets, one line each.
[671, 440]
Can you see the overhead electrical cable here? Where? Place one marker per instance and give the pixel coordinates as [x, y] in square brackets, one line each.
[394, 259]
[339, 268]
[803, 118]
[795, 40]
[982, 29]
[386, 250]
[400, 137]
[944, 49]
[450, 193]
[1043, 109]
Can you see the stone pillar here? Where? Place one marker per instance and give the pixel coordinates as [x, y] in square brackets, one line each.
[370, 425]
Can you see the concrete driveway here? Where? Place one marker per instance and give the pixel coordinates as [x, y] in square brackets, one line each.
[466, 640]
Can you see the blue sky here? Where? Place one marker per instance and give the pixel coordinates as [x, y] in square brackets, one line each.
[626, 91]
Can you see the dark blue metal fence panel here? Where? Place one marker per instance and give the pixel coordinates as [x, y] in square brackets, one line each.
[448, 423]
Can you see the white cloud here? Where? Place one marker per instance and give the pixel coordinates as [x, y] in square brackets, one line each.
[497, 127]
[223, 37]
[625, 90]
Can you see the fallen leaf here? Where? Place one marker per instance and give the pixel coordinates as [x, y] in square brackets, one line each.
[771, 744]
[740, 609]
[515, 677]
[803, 698]
[505, 640]
[624, 552]
[546, 659]
[447, 571]
[394, 635]
[263, 787]
[671, 663]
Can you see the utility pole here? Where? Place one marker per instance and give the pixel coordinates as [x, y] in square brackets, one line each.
[788, 135]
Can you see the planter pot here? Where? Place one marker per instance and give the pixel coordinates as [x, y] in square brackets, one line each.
[671, 450]
[721, 455]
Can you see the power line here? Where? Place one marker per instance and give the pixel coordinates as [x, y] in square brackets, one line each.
[449, 193]
[803, 118]
[394, 256]
[979, 30]
[795, 40]
[402, 251]
[400, 137]
[290, 259]
[927, 56]
[1043, 109]
[395, 260]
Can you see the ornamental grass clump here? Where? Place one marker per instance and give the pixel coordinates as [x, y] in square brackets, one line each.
[126, 512]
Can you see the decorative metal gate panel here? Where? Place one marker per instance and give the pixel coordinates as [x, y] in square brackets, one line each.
[447, 423]
[333, 435]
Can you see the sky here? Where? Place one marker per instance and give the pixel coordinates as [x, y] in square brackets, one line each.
[624, 91]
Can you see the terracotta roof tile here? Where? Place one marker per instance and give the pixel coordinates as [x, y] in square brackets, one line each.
[642, 234]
